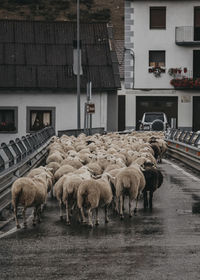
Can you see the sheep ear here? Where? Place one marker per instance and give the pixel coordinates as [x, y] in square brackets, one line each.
[142, 168]
[110, 177]
[39, 175]
[90, 170]
[96, 177]
[48, 176]
[49, 169]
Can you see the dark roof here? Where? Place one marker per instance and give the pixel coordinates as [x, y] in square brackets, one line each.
[35, 54]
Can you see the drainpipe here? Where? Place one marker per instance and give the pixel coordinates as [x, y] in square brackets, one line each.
[131, 52]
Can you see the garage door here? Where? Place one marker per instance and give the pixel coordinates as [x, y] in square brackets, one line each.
[168, 105]
[196, 110]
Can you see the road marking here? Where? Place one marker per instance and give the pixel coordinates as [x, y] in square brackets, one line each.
[8, 232]
[182, 170]
[15, 229]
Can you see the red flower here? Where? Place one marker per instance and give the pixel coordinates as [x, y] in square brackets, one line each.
[186, 83]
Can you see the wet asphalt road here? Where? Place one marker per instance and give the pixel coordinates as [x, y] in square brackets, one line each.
[162, 244]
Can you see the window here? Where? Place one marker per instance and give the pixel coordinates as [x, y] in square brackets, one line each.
[196, 23]
[157, 58]
[40, 117]
[8, 119]
[153, 116]
[157, 17]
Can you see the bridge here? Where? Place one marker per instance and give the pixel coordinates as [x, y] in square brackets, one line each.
[162, 243]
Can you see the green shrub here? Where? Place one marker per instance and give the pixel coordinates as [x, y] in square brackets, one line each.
[71, 16]
[25, 2]
[61, 4]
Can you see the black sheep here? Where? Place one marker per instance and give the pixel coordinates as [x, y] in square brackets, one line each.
[154, 180]
[156, 148]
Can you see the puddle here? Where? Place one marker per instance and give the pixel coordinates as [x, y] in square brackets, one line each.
[196, 208]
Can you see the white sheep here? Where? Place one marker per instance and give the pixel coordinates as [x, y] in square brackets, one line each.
[112, 167]
[92, 194]
[37, 171]
[94, 168]
[83, 172]
[74, 162]
[69, 197]
[54, 166]
[63, 170]
[55, 157]
[29, 192]
[129, 182]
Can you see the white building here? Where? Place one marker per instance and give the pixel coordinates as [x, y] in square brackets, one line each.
[162, 42]
[37, 83]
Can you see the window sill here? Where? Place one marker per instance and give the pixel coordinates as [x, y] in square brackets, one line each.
[158, 28]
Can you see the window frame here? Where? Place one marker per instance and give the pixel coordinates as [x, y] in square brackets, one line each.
[15, 109]
[39, 108]
[157, 8]
[164, 57]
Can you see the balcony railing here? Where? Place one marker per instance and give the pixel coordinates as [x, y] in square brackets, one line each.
[187, 35]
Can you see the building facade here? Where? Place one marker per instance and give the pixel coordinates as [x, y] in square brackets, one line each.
[162, 61]
[37, 79]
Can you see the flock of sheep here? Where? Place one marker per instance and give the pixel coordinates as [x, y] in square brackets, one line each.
[89, 172]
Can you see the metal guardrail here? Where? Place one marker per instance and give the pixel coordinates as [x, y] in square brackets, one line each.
[18, 157]
[77, 132]
[184, 146]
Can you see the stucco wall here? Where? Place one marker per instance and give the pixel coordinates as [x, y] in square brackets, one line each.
[178, 13]
[185, 105]
[65, 109]
[142, 40]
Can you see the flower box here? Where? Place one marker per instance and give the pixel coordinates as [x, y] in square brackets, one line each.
[157, 71]
[186, 83]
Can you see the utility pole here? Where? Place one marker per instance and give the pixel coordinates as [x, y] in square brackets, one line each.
[78, 70]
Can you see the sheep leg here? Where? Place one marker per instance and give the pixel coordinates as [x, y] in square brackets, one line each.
[67, 212]
[90, 217]
[73, 207]
[16, 218]
[83, 216]
[106, 214]
[52, 196]
[150, 199]
[130, 213]
[117, 205]
[39, 211]
[24, 216]
[97, 217]
[61, 212]
[34, 216]
[45, 203]
[145, 200]
[135, 210]
[121, 207]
